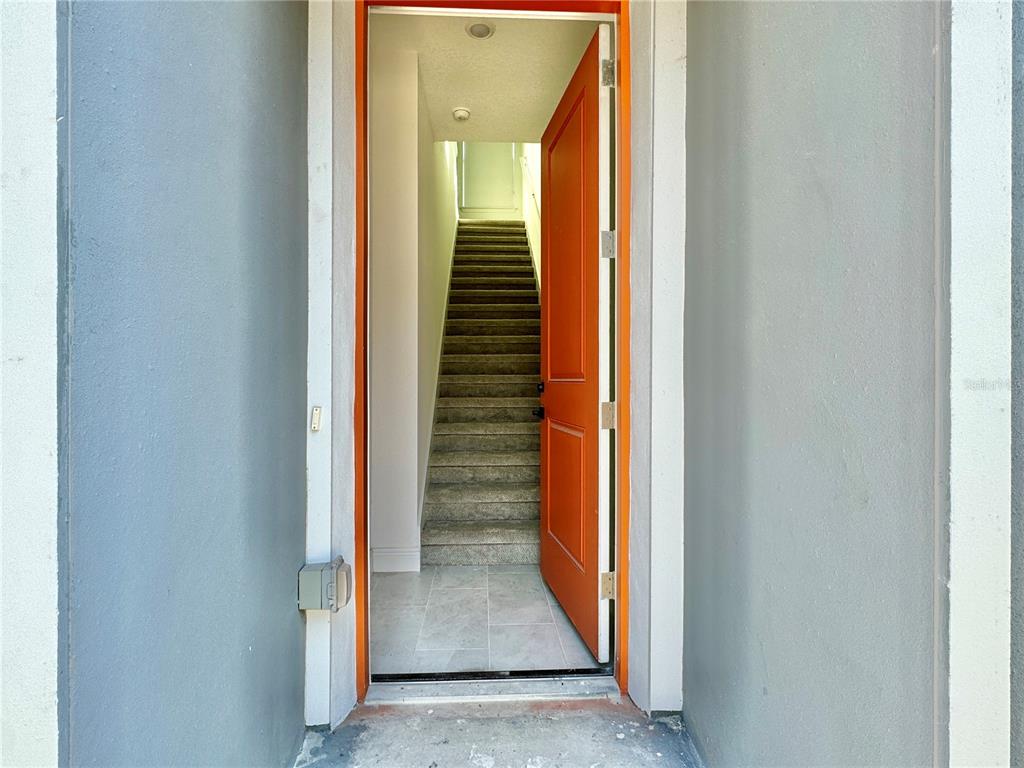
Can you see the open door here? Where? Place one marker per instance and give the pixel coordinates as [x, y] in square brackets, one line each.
[575, 454]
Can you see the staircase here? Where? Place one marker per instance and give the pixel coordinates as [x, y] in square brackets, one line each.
[482, 504]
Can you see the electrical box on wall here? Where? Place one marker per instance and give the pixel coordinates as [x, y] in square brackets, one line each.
[325, 586]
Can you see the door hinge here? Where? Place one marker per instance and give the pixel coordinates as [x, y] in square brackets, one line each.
[608, 585]
[608, 244]
[608, 72]
[607, 415]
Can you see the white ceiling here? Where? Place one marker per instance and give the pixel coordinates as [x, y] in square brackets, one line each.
[511, 82]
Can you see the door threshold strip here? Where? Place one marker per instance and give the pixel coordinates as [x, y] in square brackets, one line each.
[517, 674]
[553, 688]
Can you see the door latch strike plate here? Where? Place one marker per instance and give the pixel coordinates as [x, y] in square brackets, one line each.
[314, 419]
[608, 585]
[608, 244]
[607, 415]
[608, 72]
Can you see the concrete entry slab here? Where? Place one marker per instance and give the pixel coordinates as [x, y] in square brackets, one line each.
[591, 734]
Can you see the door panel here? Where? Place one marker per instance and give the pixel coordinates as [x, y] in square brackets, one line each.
[571, 538]
[565, 463]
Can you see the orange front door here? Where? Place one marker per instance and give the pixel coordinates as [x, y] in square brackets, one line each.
[569, 364]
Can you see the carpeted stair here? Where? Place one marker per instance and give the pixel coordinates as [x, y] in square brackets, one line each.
[482, 500]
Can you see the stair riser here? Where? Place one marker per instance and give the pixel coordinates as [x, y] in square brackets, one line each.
[448, 443]
[481, 510]
[487, 415]
[499, 312]
[469, 494]
[480, 554]
[513, 241]
[493, 283]
[495, 225]
[512, 474]
[484, 365]
[454, 345]
[500, 250]
[492, 328]
[492, 260]
[487, 428]
[493, 297]
[488, 270]
[504, 389]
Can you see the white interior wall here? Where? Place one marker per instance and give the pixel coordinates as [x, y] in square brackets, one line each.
[438, 220]
[413, 218]
[28, 385]
[490, 180]
[393, 317]
[980, 373]
[529, 191]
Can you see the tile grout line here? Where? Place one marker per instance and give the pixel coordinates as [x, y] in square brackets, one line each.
[423, 621]
[487, 581]
[558, 634]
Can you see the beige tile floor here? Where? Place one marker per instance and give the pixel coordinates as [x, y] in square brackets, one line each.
[474, 618]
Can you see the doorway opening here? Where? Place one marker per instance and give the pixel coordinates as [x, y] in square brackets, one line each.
[491, 337]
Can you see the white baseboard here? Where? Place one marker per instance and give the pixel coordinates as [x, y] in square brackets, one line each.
[391, 559]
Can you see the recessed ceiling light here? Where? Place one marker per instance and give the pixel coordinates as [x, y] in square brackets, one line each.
[461, 114]
[480, 30]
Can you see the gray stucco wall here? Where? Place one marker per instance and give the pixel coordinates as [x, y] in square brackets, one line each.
[813, 263]
[1017, 488]
[186, 363]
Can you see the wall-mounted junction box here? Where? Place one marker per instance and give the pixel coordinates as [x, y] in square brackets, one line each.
[325, 586]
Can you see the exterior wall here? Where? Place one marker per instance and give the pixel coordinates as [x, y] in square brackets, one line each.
[319, 130]
[658, 87]
[1017, 408]
[28, 385]
[343, 373]
[980, 277]
[814, 460]
[186, 166]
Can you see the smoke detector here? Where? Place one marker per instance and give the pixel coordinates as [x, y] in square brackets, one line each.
[479, 30]
[461, 114]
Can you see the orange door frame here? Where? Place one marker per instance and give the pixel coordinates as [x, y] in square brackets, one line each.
[620, 8]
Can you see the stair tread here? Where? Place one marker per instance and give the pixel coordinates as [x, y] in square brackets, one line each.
[439, 532]
[480, 338]
[494, 493]
[485, 402]
[487, 378]
[493, 259]
[499, 355]
[498, 280]
[486, 459]
[491, 308]
[485, 427]
[494, 322]
[528, 295]
[516, 238]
